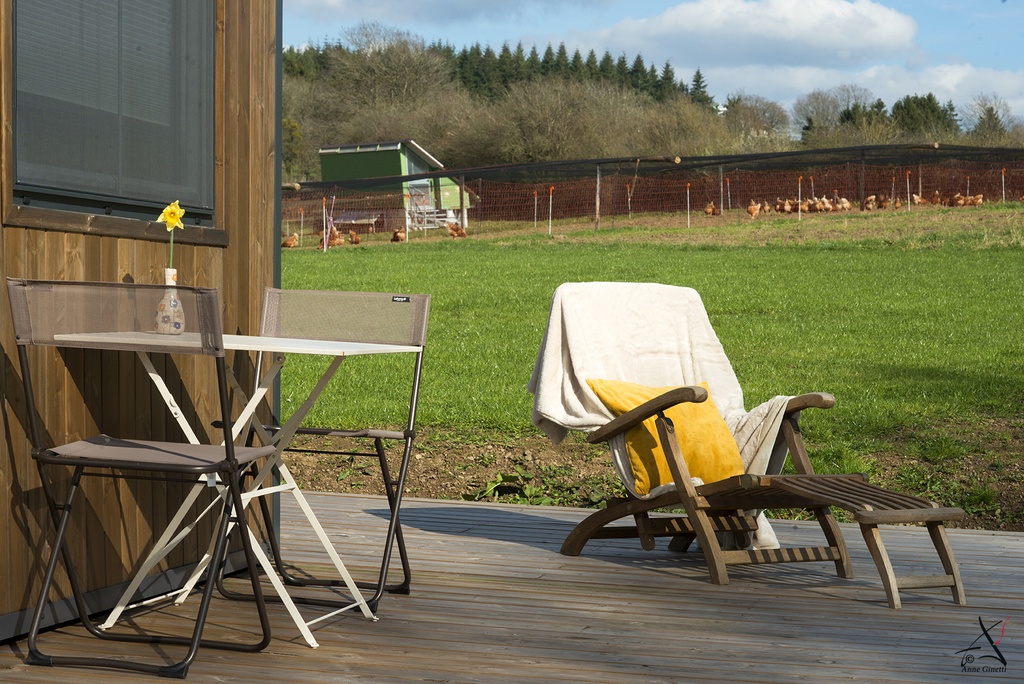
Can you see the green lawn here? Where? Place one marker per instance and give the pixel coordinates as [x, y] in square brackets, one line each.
[918, 336]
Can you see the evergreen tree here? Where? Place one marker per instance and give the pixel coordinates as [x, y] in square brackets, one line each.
[490, 75]
[699, 91]
[547, 62]
[518, 64]
[577, 68]
[666, 83]
[638, 75]
[561, 61]
[606, 67]
[506, 67]
[532, 66]
[591, 66]
[451, 58]
[471, 68]
[990, 126]
[923, 115]
[860, 116]
[621, 71]
[651, 86]
[308, 63]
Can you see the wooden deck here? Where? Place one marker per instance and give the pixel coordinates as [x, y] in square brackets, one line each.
[492, 598]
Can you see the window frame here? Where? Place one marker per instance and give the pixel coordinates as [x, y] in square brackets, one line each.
[92, 215]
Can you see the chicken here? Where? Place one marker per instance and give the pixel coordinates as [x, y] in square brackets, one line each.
[917, 200]
[897, 203]
[936, 198]
[291, 241]
[456, 231]
[869, 203]
[753, 209]
[710, 209]
[884, 201]
[398, 236]
[353, 237]
[766, 208]
[334, 240]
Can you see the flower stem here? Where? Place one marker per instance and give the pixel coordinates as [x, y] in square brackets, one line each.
[170, 261]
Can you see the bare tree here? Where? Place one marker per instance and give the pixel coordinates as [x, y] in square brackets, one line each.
[988, 119]
[757, 123]
[849, 94]
[820, 110]
[386, 67]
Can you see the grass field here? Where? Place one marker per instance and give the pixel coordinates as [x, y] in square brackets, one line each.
[913, 320]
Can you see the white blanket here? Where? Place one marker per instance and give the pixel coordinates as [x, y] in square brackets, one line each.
[650, 334]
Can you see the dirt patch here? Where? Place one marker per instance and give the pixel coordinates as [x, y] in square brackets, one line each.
[985, 478]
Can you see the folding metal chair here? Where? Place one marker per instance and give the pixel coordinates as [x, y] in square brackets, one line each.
[121, 317]
[367, 318]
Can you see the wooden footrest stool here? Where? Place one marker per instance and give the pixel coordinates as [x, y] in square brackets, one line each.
[872, 506]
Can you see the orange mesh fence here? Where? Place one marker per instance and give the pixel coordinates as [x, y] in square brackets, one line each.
[587, 192]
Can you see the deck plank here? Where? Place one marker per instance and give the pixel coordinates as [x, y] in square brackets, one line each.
[492, 598]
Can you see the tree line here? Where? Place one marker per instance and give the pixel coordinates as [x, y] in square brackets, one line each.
[476, 106]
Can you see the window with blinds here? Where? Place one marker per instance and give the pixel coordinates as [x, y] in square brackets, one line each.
[114, 104]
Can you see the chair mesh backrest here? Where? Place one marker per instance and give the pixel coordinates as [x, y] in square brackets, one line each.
[117, 316]
[374, 317]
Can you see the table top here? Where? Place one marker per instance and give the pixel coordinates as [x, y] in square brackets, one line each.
[259, 343]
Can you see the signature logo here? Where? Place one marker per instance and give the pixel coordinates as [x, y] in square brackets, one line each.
[985, 647]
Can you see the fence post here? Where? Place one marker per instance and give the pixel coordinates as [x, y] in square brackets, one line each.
[327, 235]
[687, 205]
[463, 212]
[597, 201]
[799, 197]
[863, 163]
[721, 186]
[551, 195]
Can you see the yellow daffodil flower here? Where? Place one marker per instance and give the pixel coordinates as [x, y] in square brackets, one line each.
[171, 215]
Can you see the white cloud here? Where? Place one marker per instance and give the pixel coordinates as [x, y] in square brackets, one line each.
[959, 83]
[826, 33]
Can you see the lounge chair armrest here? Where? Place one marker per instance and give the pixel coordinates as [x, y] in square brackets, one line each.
[811, 400]
[645, 410]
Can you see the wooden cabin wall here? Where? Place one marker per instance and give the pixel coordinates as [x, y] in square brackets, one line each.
[236, 255]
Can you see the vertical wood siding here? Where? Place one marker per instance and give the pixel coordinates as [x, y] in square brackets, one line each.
[120, 514]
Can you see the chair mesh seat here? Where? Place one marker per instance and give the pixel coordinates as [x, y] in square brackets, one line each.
[147, 455]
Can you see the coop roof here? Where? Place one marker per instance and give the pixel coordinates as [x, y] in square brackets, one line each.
[383, 147]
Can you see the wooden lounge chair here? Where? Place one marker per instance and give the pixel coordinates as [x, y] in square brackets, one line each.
[722, 515]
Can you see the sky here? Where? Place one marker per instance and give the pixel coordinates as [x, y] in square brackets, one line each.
[780, 50]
